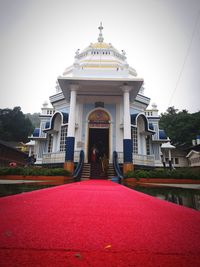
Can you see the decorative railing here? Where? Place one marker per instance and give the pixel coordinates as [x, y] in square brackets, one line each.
[76, 156]
[120, 157]
[53, 157]
[58, 157]
[147, 160]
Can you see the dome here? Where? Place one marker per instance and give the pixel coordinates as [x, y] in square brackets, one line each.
[100, 59]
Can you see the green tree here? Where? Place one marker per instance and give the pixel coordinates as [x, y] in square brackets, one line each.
[14, 126]
[180, 126]
[34, 118]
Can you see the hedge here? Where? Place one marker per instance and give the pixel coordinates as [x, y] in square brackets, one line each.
[33, 171]
[182, 173]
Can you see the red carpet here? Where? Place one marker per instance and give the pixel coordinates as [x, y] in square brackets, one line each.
[96, 223]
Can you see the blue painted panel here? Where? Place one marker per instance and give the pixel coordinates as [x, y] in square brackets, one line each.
[128, 150]
[162, 134]
[69, 154]
[36, 132]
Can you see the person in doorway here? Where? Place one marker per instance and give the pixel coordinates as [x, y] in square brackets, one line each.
[94, 153]
[105, 163]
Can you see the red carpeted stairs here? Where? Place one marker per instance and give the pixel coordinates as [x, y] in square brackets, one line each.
[96, 223]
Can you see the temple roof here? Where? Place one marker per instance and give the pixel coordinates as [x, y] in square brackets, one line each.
[100, 59]
[100, 45]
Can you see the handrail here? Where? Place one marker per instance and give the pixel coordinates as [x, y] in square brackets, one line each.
[116, 166]
[78, 170]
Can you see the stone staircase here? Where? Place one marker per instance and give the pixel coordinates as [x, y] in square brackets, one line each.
[97, 172]
[94, 170]
[86, 172]
[111, 171]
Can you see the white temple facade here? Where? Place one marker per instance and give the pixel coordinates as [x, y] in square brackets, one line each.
[100, 101]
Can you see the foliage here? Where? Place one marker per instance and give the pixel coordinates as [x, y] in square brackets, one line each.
[181, 126]
[14, 126]
[34, 171]
[182, 173]
[34, 118]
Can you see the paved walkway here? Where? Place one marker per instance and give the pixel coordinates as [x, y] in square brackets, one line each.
[3, 181]
[99, 224]
[185, 186]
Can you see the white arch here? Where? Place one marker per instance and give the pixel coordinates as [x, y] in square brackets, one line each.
[110, 132]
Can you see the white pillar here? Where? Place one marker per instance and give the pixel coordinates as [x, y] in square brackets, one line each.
[170, 160]
[30, 151]
[170, 155]
[70, 140]
[72, 111]
[127, 118]
[127, 142]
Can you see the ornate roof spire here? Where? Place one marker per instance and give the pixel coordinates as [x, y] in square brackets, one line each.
[100, 38]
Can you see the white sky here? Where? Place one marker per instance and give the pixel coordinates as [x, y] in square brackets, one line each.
[38, 40]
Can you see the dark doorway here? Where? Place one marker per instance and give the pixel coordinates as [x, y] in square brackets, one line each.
[100, 138]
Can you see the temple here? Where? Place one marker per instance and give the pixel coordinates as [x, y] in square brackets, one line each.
[99, 103]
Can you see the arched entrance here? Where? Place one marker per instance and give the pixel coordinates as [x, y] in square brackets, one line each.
[98, 126]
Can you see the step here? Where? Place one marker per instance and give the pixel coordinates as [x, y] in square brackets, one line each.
[97, 172]
[111, 171]
[86, 171]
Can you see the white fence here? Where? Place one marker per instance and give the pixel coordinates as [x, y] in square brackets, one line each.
[146, 160]
[54, 157]
[138, 159]
[58, 157]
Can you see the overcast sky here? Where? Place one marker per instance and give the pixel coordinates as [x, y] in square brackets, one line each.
[38, 40]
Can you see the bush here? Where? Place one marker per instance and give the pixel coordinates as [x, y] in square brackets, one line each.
[33, 171]
[182, 173]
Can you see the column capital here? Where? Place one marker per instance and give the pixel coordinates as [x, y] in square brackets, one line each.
[126, 88]
[74, 87]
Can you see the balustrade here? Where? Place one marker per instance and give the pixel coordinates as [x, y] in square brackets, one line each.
[138, 159]
[57, 157]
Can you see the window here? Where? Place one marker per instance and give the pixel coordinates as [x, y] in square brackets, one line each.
[135, 140]
[148, 145]
[50, 142]
[42, 127]
[63, 136]
[176, 161]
